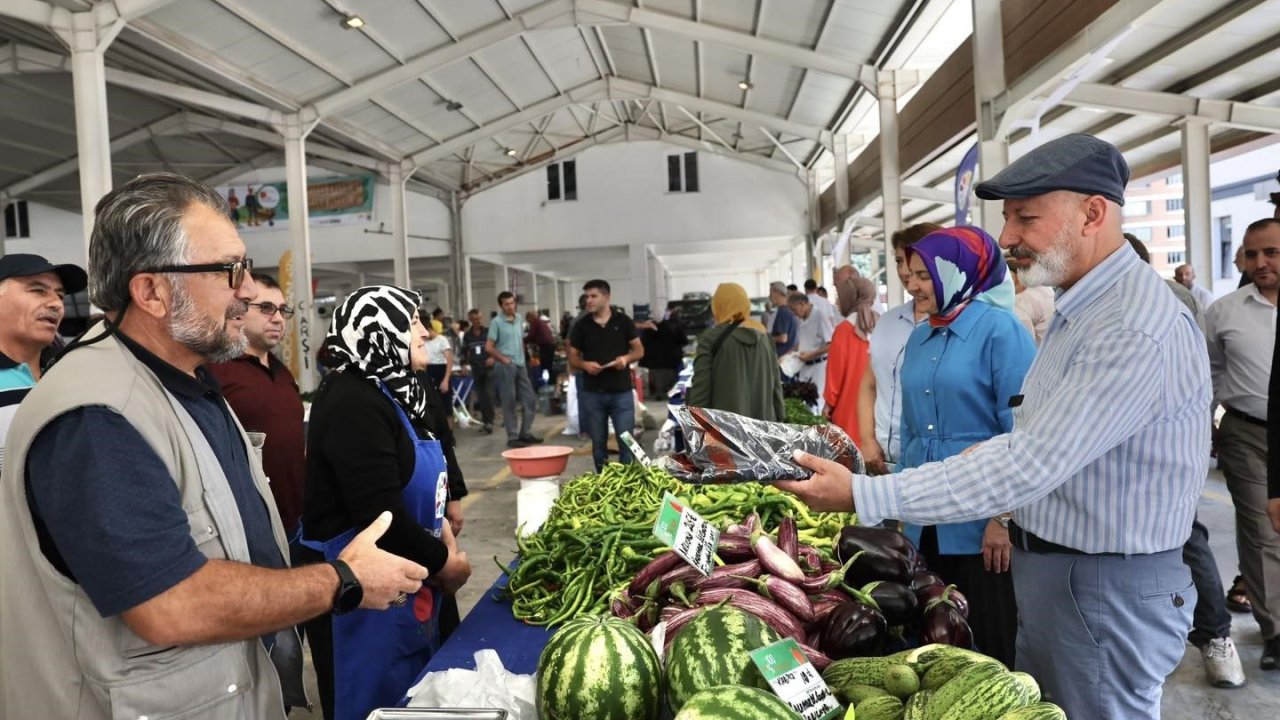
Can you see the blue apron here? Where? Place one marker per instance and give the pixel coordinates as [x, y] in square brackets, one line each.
[378, 653]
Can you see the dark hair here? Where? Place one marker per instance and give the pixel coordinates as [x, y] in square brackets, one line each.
[792, 288]
[912, 234]
[138, 226]
[437, 311]
[597, 284]
[473, 310]
[797, 297]
[810, 285]
[1138, 247]
[1262, 224]
[463, 326]
[503, 296]
[265, 281]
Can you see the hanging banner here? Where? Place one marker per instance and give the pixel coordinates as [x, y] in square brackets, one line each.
[964, 184]
[264, 207]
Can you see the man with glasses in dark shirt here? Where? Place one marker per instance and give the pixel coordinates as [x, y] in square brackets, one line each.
[264, 395]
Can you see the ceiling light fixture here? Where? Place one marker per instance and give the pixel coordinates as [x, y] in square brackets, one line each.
[352, 22]
[452, 105]
[744, 85]
[509, 152]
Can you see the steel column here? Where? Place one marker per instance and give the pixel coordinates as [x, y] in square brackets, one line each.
[303, 298]
[840, 154]
[399, 227]
[890, 174]
[641, 291]
[1196, 199]
[459, 264]
[988, 84]
[88, 43]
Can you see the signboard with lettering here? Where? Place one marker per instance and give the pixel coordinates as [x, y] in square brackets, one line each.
[693, 538]
[795, 680]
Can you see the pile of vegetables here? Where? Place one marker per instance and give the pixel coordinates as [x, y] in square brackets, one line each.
[805, 392]
[599, 535]
[798, 413]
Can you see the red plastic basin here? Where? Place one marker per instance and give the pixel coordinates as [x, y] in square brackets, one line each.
[539, 461]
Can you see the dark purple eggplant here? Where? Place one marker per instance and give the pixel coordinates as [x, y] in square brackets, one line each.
[854, 630]
[869, 565]
[882, 540]
[730, 576]
[924, 579]
[896, 602]
[944, 624]
[788, 538]
[735, 548]
[949, 595]
[773, 559]
[654, 570]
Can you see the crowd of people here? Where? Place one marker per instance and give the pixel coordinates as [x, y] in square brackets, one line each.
[1046, 450]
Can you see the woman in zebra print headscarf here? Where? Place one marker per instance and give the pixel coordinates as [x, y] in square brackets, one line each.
[368, 451]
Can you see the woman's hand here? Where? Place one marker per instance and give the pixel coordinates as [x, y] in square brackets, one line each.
[457, 569]
[873, 457]
[453, 513]
[996, 547]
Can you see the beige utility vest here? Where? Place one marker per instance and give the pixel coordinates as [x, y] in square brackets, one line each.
[60, 658]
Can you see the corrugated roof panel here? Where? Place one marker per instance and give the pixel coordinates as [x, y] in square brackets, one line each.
[795, 22]
[463, 18]
[855, 29]
[465, 83]
[565, 55]
[733, 14]
[626, 46]
[417, 101]
[722, 70]
[820, 98]
[774, 86]
[403, 25]
[677, 64]
[512, 66]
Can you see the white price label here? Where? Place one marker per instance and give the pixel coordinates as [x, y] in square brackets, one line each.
[795, 680]
[693, 538]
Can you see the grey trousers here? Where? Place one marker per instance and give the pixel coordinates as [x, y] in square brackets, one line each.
[1242, 455]
[514, 387]
[1101, 633]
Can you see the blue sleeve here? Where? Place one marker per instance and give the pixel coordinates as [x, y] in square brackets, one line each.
[111, 509]
[1012, 351]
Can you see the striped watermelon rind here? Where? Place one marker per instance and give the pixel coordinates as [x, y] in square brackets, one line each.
[713, 650]
[734, 702]
[599, 668]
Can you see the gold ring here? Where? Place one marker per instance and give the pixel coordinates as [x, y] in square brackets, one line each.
[400, 600]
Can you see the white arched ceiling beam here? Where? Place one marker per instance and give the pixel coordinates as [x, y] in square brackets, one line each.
[1228, 113]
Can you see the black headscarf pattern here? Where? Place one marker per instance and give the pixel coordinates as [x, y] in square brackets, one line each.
[370, 335]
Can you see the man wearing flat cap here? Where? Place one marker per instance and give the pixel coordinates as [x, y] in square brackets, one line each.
[31, 292]
[1107, 457]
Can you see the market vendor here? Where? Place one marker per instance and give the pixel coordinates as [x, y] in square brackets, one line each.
[369, 453]
[1107, 457]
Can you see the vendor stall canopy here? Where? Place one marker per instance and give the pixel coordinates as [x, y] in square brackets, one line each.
[463, 94]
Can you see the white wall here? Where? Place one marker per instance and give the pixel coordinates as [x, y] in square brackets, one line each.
[1242, 209]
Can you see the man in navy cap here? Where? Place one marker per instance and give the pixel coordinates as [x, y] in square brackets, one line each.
[1107, 458]
[31, 292]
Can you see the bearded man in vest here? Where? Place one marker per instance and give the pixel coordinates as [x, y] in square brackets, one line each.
[145, 570]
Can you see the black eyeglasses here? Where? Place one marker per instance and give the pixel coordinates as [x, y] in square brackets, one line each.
[235, 270]
[270, 308]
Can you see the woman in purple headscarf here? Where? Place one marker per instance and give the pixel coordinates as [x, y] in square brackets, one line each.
[960, 371]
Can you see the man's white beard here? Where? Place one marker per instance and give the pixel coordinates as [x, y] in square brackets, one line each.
[1050, 268]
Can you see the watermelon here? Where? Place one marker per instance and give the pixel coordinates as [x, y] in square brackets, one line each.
[1038, 711]
[734, 702]
[599, 668]
[713, 650]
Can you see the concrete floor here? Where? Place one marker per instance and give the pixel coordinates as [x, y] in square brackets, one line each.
[490, 513]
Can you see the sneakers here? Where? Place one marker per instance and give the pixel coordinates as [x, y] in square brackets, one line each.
[1271, 654]
[1221, 663]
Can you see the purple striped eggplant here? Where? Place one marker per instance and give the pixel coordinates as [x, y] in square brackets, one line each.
[826, 581]
[655, 569]
[735, 548]
[675, 623]
[773, 559]
[730, 576]
[819, 660]
[685, 573]
[791, 598]
[771, 613]
[622, 606]
[788, 538]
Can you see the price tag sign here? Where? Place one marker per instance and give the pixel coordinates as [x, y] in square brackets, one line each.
[636, 451]
[795, 680]
[693, 538]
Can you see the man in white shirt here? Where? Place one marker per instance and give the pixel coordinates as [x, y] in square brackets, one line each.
[1186, 276]
[816, 329]
[822, 304]
[1241, 332]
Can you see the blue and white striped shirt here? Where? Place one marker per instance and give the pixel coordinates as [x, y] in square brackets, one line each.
[1110, 445]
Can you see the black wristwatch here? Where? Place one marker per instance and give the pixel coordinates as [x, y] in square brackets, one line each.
[349, 592]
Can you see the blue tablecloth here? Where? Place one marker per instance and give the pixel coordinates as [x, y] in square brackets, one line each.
[491, 625]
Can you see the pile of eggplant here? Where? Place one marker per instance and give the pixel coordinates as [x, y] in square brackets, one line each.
[877, 599]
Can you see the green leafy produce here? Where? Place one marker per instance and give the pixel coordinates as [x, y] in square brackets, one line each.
[599, 668]
[798, 413]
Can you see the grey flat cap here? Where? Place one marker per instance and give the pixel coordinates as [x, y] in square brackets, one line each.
[1080, 163]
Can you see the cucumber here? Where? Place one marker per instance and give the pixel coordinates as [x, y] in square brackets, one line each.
[1032, 687]
[918, 706]
[858, 671]
[959, 686]
[992, 698]
[925, 656]
[1037, 711]
[901, 681]
[941, 670]
[881, 707]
